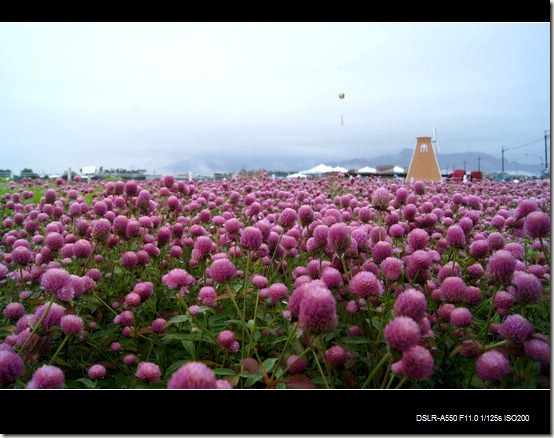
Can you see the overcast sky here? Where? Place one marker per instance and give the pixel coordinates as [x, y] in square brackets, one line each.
[145, 95]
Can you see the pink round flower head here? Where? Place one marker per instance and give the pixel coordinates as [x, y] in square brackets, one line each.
[339, 237]
[52, 318]
[479, 249]
[392, 268]
[47, 377]
[417, 363]
[453, 289]
[11, 367]
[501, 267]
[226, 338]
[82, 249]
[455, 236]
[305, 215]
[317, 310]
[402, 333]
[129, 260]
[287, 218]
[337, 356]
[192, 375]
[71, 324]
[528, 287]
[419, 187]
[14, 311]
[158, 325]
[380, 199]
[365, 284]
[222, 270]
[516, 327]
[332, 277]
[251, 238]
[382, 250]
[460, 317]
[96, 372]
[129, 359]
[178, 278]
[298, 294]
[503, 300]
[418, 238]
[411, 303]
[148, 372]
[101, 229]
[492, 365]
[537, 349]
[496, 241]
[277, 292]
[296, 365]
[207, 295]
[524, 208]
[54, 280]
[537, 225]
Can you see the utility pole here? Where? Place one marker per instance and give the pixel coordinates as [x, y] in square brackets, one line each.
[546, 135]
[479, 164]
[503, 158]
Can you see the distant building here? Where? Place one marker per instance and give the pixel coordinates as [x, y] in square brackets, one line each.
[424, 165]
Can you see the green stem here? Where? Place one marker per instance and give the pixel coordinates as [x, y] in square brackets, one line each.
[38, 324]
[376, 368]
[401, 383]
[320, 368]
[59, 349]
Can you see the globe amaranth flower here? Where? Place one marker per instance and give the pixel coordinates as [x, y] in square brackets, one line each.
[192, 375]
[226, 338]
[411, 303]
[332, 277]
[501, 267]
[251, 238]
[14, 311]
[96, 372]
[53, 316]
[295, 364]
[47, 377]
[148, 372]
[11, 367]
[380, 199]
[177, 279]
[417, 363]
[455, 236]
[208, 295]
[453, 289]
[392, 268]
[537, 349]
[537, 225]
[528, 287]
[517, 328]
[58, 281]
[460, 317]
[402, 333]
[492, 365]
[365, 284]
[71, 324]
[222, 270]
[339, 237]
[317, 310]
[298, 294]
[277, 291]
[381, 250]
[418, 238]
[337, 356]
[287, 217]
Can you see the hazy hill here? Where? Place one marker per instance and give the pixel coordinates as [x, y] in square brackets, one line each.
[447, 161]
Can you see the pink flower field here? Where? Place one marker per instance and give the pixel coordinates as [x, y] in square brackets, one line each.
[262, 283]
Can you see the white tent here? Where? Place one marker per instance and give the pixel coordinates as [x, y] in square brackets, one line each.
[339, 169]
[297, 175]
[367, 169]
[398, 169]
[320, 168]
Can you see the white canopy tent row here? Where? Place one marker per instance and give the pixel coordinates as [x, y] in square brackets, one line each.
[321, 169]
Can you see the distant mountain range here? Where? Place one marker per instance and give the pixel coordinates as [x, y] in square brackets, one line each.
[448, 162]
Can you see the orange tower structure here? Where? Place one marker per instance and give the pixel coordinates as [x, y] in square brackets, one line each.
[424, 165]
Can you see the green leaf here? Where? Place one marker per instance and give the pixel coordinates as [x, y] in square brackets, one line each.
[224, 372]
[87, 382]
[252, 378]
[189, 347]
[177, 319]
[269, 363]
[356, 340]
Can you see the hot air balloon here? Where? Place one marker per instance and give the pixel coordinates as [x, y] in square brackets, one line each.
[341, 95]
